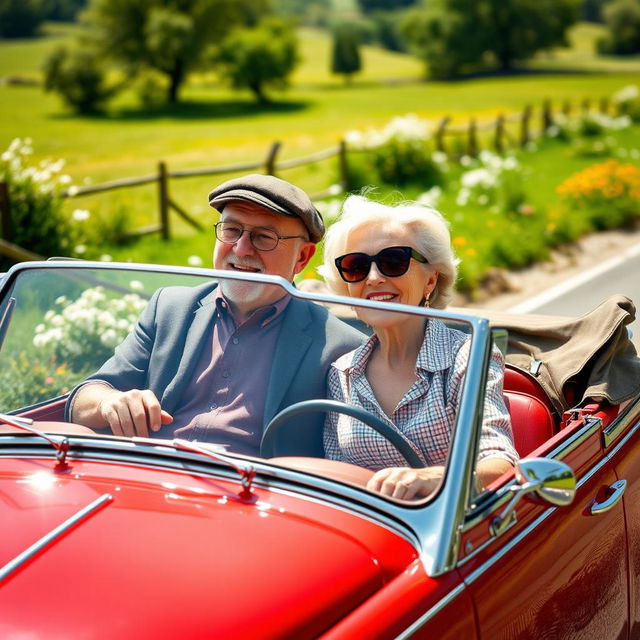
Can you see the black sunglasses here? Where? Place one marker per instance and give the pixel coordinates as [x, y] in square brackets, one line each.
[391, 262]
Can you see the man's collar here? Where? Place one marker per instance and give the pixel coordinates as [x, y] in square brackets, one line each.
[265, 314]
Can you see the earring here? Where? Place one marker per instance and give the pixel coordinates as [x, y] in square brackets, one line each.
[425, 300]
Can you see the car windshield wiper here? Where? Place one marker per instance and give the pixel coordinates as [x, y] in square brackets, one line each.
[61, 444]
[246, 472]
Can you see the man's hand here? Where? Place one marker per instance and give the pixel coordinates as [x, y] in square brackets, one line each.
[133, 413]
[406, 483]
[127, 413]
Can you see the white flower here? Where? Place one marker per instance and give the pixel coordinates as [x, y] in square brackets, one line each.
[105, 257]
[626, 94]
[80, 215]
[80, 249]
[195, 261]
[135, 285]
[72, 190]
[110, 338]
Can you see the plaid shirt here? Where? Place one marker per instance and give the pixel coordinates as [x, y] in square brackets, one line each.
[426, 415]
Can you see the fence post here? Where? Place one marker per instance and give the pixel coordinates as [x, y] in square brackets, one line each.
[163, 198]
[270, 162]
[547, 116]
[525, 133]
[440, 131]
[604, 105]
[566, 108]
[5, 212]
[586, 105]
[343, 165]
[499, 137]
[472, 139]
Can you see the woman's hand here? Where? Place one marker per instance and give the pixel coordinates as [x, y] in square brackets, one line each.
[405, 483]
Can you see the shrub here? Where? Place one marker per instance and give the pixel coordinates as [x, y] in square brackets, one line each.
[79, 77]
[35, 195]
[493, 180]
[627, 101]
[94, 323]
[400, 154]
[608, 193]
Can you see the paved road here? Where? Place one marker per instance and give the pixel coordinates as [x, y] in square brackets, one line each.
[583, 293]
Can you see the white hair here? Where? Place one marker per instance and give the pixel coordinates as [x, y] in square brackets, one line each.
[429, 229]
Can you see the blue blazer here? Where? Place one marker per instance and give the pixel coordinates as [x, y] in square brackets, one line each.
[163, 349]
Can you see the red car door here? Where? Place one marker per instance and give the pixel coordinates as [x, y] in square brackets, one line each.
[557, 572]
[622, 444]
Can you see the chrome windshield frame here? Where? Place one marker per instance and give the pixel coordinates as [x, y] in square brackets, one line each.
[435, 525]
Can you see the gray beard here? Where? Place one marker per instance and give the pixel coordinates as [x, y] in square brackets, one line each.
[242, 293]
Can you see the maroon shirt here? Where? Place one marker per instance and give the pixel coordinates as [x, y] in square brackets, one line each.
[224, 402]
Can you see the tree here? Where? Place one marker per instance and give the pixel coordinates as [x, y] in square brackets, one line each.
[622, 19]
[21, 18]
[367, 6]
[80, 78]
[260, 57]
[459, 36]
[345, 55]
[174, 37]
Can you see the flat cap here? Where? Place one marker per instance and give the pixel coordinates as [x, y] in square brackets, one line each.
[272, 194]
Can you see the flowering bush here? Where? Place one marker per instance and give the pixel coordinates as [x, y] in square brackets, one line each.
[627, 100]
[608, 192]
[493, 180]
[26, 380]
[35, 196]
[399, 154]
[89, 328]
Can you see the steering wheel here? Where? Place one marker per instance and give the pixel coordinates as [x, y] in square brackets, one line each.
[267, 445]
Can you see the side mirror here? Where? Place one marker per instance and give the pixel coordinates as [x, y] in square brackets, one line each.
[543, 481]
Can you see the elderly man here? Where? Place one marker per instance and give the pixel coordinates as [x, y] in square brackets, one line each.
[216, 363]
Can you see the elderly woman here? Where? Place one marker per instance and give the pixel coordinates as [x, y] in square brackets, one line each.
[410, 372]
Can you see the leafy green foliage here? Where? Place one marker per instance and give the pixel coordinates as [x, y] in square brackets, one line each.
[79, 76]
[622, 18]
[367, 6]
[38, 222]
[345, 54]
[260, 57]
[21, 18]
[460, 36]
[173, 37]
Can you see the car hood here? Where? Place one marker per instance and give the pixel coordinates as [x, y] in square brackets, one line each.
[171, 554]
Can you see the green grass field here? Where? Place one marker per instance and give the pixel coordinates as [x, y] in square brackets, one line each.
[214, 126]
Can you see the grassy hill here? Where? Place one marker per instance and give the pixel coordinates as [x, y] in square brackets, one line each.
[214, 126]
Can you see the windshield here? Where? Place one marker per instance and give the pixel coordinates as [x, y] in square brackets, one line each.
[239, 384]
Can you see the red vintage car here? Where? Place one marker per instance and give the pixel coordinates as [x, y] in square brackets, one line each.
[113, 537]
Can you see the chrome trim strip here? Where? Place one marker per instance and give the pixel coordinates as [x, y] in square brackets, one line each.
[590, 427]
[51, 537]
[612, 432]
[627, 436]
[425, 617]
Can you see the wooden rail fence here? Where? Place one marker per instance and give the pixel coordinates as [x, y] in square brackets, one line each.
[501, 133]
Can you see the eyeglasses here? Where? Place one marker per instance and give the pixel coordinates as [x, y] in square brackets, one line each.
[392, 262]
[261, 238]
